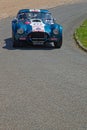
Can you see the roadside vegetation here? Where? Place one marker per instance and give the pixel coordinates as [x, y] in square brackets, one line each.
[81, 34]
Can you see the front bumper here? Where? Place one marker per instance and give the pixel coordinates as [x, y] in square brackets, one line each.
[37, 36]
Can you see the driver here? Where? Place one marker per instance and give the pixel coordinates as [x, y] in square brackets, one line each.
[22, 16]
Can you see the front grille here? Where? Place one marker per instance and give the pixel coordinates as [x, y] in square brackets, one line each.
[38, 36]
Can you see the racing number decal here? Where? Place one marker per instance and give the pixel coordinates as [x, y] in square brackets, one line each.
[37, 27]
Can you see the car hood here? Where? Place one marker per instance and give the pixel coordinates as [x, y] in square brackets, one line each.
[35, 25]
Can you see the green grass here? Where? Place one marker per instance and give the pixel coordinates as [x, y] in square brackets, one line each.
[81, 33]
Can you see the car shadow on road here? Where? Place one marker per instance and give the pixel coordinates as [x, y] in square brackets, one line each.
[9, 45]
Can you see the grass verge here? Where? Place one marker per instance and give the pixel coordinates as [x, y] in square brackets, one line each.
[81, 34]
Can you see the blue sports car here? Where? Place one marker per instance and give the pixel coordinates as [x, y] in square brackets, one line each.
[36, 26]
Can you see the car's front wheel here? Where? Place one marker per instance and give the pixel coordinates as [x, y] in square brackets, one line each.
[58, 44]
[16, 43]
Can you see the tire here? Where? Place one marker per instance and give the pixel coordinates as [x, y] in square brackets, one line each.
[16, 43]
[14, 40]
[58, 44]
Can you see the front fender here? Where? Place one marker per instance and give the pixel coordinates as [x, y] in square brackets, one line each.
[16, 26]
[57, 26]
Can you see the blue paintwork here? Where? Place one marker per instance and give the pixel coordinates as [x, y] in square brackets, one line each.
[27, 28]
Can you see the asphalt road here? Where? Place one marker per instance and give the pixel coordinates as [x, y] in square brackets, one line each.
[42, 88]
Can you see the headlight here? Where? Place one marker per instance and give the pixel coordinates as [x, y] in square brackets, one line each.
[55, 31]
[20, 31]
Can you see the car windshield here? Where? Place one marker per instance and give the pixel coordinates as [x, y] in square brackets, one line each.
[37, 15]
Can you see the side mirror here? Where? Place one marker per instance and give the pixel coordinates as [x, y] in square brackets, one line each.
[54, 19]
[14, 20]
